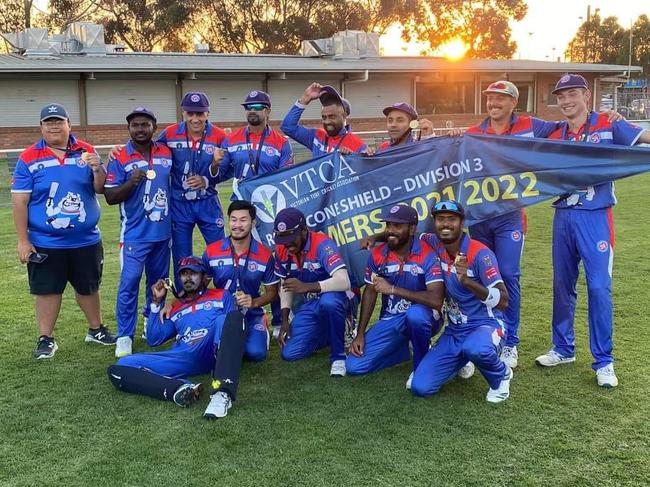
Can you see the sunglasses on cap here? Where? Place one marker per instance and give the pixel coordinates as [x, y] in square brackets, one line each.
[450, 206]
[256, 107]
[190, 262]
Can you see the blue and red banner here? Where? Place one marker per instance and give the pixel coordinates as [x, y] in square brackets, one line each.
[342, 196]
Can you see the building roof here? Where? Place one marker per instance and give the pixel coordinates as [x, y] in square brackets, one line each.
[256, 63]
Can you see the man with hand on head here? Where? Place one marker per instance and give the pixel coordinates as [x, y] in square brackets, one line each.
[406, 271]
[335, 135]
[53, 192]
[475, 298]
[195, 322]
[309, 264]
[138, 180]
[583, 230]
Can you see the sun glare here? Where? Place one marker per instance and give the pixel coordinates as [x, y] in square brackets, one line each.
[453, 50]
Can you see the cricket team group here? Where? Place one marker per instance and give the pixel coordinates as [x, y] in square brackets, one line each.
[212, 308]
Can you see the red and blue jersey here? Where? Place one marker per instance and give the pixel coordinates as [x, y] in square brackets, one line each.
[145, 213]
[194, 322]
[245, 158]
[463, 308]
[63, 210]
[319, 259]
[316, 139]
[599, 130]
[387, 144]
[419, 269]
[191, 157]
[252, 269]
[520, 126]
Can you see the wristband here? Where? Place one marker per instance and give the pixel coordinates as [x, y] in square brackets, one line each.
[493, 297]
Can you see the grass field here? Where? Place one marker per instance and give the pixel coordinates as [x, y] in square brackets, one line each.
[63, 423]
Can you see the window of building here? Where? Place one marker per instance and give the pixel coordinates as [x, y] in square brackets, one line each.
[552, 99]
[445, 98]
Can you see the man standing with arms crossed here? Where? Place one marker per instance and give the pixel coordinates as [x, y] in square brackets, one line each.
[583, 229]
[138, 179]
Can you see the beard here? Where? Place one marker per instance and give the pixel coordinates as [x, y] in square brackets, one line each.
[254, 119]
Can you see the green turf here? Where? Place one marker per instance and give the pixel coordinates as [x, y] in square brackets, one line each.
[62, 422]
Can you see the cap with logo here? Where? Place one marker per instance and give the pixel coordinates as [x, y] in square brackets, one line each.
[503, 88]
[54, 110]
[288, 223]
[449, 206]
[193, 263]
[570, 81]
[329, 95]
[141, 112]
[195, 101]
[257, 97]
[400, 214]
[402, 107]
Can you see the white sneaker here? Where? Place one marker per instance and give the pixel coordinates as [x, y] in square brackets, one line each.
[466, 371]
[338, 368]
[409, 381]
[552, 358]
[503, 391]
[606, 376]
[220, 403]
[509, 356]
[123, 347]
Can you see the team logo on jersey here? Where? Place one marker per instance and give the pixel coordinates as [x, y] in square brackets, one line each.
[394, 209]
[165, 162]
[516, 235]
[156, 208]
[487, 260]
[259, 327]
[209, 149]
[195, 98]
[252, 266]
[310, 267]
[134, 166]
[81, 163]
[329, 250]
[207, 305]
[67, 213]
[595, 138]
[268, 200]
[179, 145]
[282, 227]
[415, 270]
[191, 337]
[269, 151]
[603, 246]
[219, 222]
[41, 167]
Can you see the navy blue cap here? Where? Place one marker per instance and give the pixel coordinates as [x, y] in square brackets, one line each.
[195, 101]
[328, 94]
[400, 214]
[54, 110]
[402, 107]
[570, 81]
[141, 112]
[257, 97]
[193, 263]
[288, 223]
[449, 206]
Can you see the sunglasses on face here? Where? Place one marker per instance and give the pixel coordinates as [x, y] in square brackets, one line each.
[257, 107]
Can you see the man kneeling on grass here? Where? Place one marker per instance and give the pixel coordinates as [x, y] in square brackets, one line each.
[475, 299]
[197, 319]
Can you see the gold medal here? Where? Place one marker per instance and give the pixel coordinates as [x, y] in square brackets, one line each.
[151, 174]
[414, 124]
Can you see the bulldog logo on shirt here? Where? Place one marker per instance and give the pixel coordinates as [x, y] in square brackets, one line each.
[68, 211]
[156, 208]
